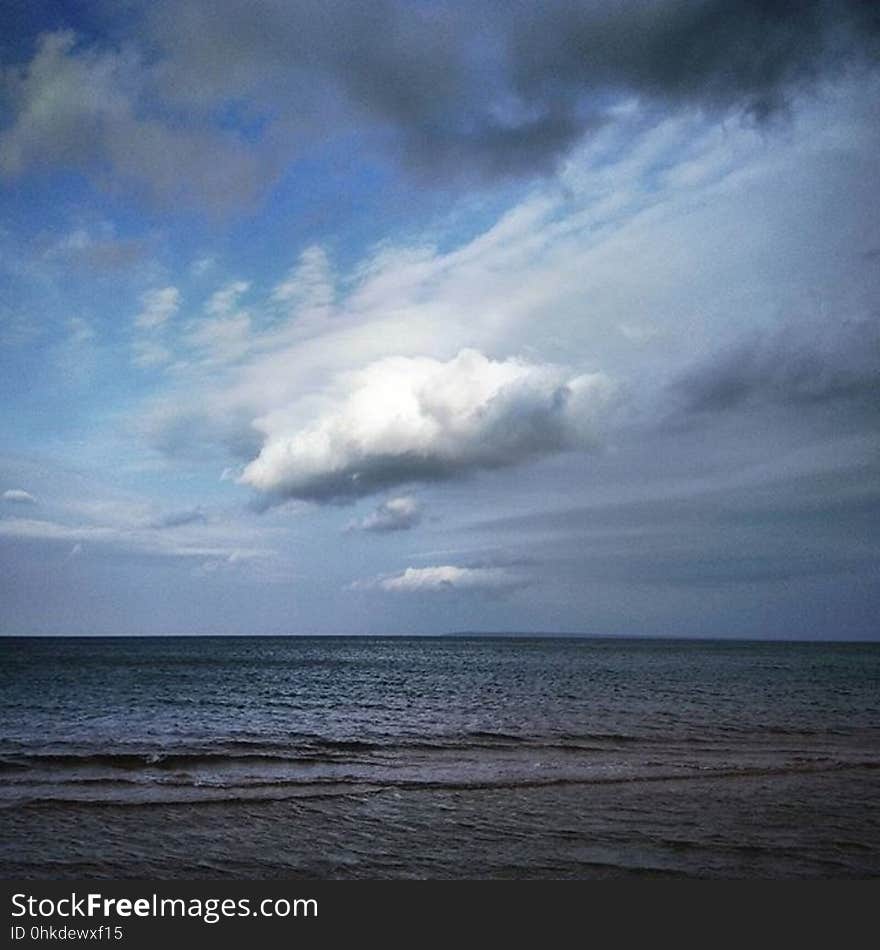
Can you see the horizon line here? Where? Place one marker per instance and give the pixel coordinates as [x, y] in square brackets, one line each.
[455, 634]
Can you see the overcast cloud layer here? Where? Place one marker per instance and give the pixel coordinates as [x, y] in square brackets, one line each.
[401, 317]
[447, 89]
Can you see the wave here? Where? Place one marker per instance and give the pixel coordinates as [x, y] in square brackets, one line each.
[283, 789]
[301, 751]
[307, 748]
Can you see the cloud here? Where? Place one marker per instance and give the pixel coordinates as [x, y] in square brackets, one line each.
[310, 283]
[499, 88]
[553, 279]
[215, 542]
[19, 496]
[192, 433]
[453, 89]
[225, 333]
[101, 253]
[177, 519]
[222, 338]
[406, 419]
[225, 300]
[396, 514]
[799, 366]
[110, 523]
[148, 353]
[706, 52]
[228, 563]
[308, 293]
[202, 266]
[93, 109]
[157, 307]
[446, 578]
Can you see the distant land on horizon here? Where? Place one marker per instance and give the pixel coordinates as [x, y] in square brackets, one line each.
[454, 634]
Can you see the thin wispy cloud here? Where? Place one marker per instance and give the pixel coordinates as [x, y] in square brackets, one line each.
[158, 307]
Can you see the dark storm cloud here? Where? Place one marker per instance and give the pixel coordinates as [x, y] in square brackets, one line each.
[503, 87]
[840, 365]
[711, 52]
[487, 88]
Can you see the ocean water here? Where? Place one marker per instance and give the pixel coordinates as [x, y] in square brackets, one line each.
[438, 757]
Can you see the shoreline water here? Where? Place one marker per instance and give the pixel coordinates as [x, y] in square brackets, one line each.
[358, 758]
[746, 827]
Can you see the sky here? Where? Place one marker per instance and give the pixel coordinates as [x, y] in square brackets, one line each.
[324, 317]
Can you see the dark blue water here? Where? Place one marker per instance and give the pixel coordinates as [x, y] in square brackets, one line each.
[455, 757]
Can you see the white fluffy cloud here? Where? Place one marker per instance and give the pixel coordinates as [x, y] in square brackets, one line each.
[404, 419]
[19, 496]
[444, 578]
[396, 514]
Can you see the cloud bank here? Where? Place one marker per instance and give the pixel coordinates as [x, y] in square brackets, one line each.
[503, 88]
[406, 419]
[453, 89]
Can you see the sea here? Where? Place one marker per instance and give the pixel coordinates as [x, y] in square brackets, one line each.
[433, 758]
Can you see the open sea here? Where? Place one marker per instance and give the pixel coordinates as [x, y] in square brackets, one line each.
[456, 757]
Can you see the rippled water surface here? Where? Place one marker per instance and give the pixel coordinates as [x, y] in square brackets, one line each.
[454, 757]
